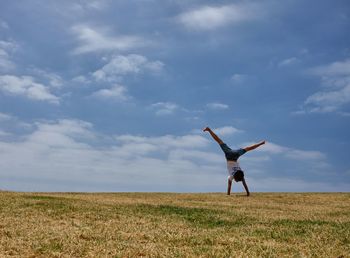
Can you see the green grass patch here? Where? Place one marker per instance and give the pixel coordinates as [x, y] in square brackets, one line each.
[199, 217]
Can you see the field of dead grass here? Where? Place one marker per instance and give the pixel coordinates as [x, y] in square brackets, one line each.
[174, 225]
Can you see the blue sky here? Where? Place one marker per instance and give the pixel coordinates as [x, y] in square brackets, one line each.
[112, 95]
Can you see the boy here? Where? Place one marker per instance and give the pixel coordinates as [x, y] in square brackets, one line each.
[234, 170]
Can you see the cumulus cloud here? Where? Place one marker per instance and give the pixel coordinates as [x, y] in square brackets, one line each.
[212, 17]
[117, 92]
[64, 151]
[93, 39]
[217, 106]
[122, 65]
[66, 155]
[335, 78]
[27, 87]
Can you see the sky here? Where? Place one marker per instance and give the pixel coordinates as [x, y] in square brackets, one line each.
[112, 96]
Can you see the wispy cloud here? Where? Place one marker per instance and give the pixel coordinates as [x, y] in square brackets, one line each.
[288, 61]
[167, 141]
[5, 117]
[6, 50]
[226, 130]
[212, 17]
[335, 78]
[53, 80]
[27, 87]
[238, 78]
[122, 65]
[89, 5]
[217, 106]
[339, 68]
[292, 153]
[164, 108]
[92, 39]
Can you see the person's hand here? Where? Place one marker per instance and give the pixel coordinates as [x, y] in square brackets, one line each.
[206, 129]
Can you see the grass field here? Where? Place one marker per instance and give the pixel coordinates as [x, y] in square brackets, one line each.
[174, 225]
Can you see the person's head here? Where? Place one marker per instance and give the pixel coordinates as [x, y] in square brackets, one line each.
[238, 176]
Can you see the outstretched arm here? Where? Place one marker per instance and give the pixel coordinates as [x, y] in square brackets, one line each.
[245, 186]
[215, 137]
[254, 146]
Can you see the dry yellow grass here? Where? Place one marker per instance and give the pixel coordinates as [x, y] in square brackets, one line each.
[174, 225]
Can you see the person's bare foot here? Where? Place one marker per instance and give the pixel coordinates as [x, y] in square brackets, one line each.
[206, 129]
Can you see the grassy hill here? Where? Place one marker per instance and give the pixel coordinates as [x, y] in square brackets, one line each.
[174, 225]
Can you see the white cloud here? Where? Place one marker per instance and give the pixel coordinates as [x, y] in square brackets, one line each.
[238, 78]
[6, 48]
[93, 39]
[81, 79]
[165, 108]
[117, 92]
[305, 155]
[66, 155]
[5, 117]
[213, 17]
[292, 153]
[53, 80]
[58, 152]
[88, 5]
[226, 130]
[121, 65]
[339, 68]
[328, 101]
[168, 141]
[64, 132]
[27, 87]
[288, 61]
[217, 106]
[336, 78]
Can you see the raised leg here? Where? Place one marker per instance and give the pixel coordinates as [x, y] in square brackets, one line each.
[215, 137]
